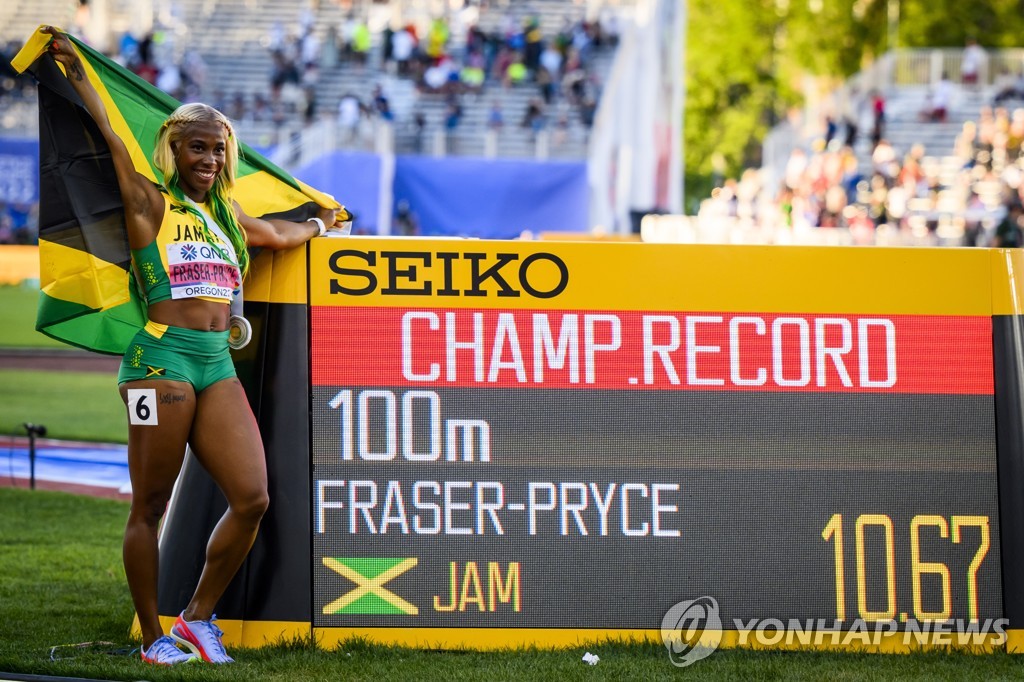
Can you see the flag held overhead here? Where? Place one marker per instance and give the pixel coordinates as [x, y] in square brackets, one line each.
[89, 297]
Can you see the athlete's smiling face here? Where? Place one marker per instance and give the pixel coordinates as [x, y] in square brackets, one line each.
[199, 156]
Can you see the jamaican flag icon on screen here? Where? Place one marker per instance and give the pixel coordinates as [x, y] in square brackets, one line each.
[369, 594]
[89, 298]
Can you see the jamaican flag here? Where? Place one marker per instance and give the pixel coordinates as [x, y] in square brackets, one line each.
[89, 296]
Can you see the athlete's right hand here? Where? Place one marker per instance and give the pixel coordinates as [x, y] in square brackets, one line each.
[60, 47]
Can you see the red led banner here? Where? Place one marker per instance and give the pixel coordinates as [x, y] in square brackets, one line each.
[652, 350]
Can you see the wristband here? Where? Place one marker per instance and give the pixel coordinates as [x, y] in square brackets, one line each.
[320, 226]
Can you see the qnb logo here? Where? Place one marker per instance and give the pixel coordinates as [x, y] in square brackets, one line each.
[691, 630]
[188, 252]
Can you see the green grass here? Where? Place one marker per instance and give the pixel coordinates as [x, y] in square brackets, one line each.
[18, 330]
[63, 584]
[72, 405]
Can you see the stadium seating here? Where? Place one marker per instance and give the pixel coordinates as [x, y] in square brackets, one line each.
[234, 38]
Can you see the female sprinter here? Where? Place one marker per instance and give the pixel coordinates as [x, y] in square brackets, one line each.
[178, 370]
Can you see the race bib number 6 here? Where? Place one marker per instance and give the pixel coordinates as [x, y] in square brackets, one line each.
[142, 406]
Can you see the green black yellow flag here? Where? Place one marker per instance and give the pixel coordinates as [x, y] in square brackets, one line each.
[370, 596]
[89, 298]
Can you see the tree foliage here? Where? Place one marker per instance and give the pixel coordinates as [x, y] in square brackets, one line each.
[745, 59]
[949, 23]
[733, 92]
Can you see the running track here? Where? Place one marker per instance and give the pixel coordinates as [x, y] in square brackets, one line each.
[85, 468]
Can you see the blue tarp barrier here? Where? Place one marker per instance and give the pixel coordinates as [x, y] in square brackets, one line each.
[19, 171]
[471, 197]
[496, 199]
[105, 466]
[353, 179]
[266, 151]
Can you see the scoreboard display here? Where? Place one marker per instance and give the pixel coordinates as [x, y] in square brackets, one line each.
[538, 442]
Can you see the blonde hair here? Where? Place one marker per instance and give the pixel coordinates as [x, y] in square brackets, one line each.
[171, 133]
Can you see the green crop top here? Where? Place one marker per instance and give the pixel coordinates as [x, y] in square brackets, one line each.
[190, 258]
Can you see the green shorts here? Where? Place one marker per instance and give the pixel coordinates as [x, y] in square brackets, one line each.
[175, 354]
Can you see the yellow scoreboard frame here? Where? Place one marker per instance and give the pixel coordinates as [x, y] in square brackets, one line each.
[705, 329]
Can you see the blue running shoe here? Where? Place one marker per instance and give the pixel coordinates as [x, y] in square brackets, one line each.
[202, 638]
[165, 652]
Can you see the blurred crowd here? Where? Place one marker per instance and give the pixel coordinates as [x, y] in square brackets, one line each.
[13, 87]
[19, 223]
[155, 58]
[455, 62]
[18, 219]
[971, 194]
[451, 57]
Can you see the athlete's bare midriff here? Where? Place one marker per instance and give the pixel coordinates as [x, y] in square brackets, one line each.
[191, 313]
